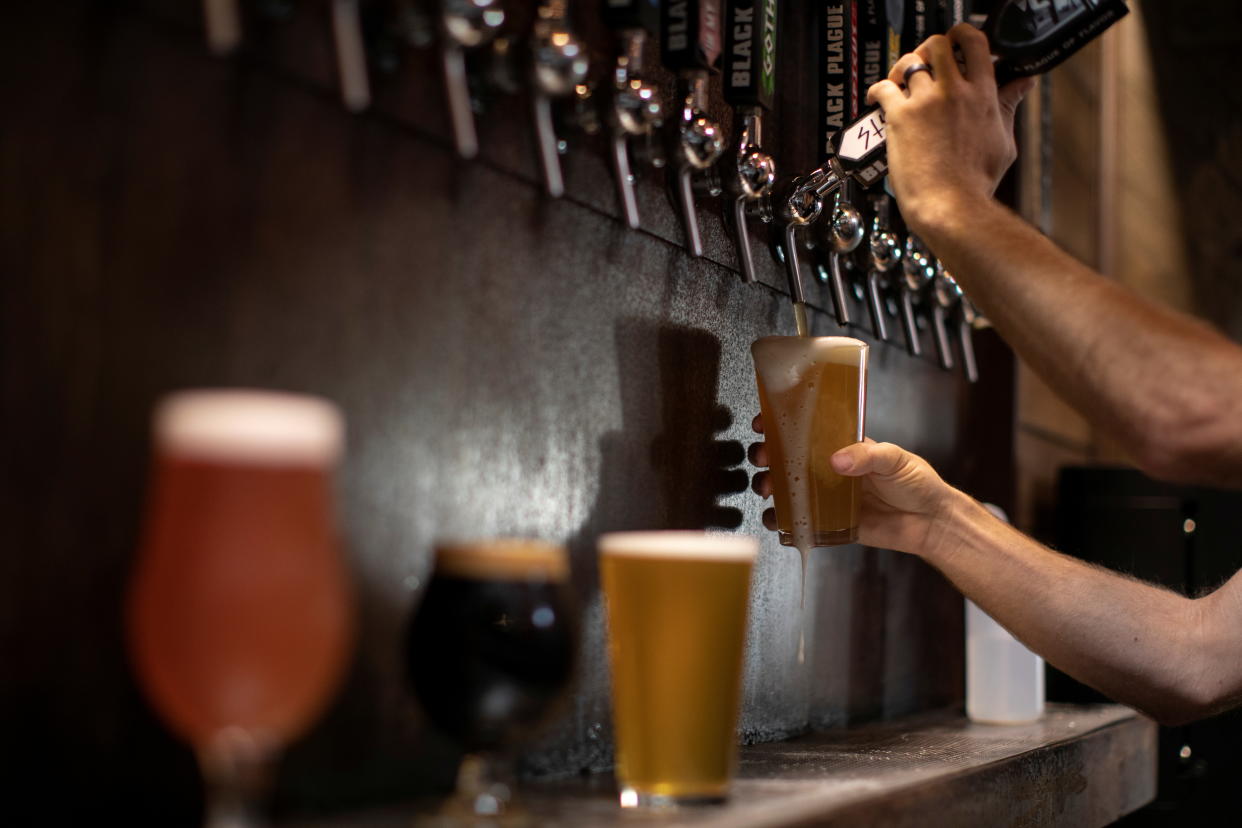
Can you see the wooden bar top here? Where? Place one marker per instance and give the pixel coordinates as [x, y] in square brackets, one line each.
[1078, 765]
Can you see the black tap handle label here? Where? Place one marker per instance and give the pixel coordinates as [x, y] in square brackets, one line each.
[895, 20]
[1030, 37]
[872, 26]
[953, 12]
[632, 14]
[921, 22]
[690, 36]
[838, 67]
[751, 31]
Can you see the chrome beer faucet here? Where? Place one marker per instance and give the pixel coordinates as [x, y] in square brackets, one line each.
[559, 66]
[885, 251]
[749, 85]
[841, 235]
[465, 25]
[690, 44]
[637, 112]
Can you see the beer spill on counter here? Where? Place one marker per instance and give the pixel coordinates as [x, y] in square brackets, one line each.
[811, 387]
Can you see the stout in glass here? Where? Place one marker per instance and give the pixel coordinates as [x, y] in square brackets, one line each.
[677, 604]
[490, 652]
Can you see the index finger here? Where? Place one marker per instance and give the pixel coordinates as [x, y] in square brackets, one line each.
[757, 423]
[975, 51]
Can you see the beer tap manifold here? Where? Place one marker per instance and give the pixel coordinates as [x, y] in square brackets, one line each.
[465, 25]
[690, 43]
[559, 65]
[749, 83]
[637, 111]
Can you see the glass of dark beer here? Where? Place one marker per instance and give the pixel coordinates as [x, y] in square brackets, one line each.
[240, 613]
[490, 653]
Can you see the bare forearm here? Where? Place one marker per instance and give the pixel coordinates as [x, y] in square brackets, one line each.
[1136, 643]
[1166, 386]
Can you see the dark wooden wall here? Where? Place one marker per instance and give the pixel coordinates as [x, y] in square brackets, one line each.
[506, 363]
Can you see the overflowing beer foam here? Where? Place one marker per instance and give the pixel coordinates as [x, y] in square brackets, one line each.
[508, 559]
[248, 426]
[681, 545]
[782, 362]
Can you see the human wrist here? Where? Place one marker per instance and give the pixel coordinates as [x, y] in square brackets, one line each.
[948, 526]
[948, 213]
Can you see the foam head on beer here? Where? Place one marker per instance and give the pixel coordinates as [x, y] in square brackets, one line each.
[681, 545]
[784, 361]
[503, 559]
[250, 426]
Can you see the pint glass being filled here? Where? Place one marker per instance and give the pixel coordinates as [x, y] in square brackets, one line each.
[813, 395]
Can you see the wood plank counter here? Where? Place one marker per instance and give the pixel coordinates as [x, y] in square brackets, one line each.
[1079, 765]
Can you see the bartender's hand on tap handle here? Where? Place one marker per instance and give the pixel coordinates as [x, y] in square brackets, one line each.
[904, 501]
[950, 130]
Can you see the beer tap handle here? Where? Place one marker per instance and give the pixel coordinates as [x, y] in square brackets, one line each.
[464, 25]
[793, 270]
[943, 297]
[742, 230]
[559, 64]
[885, 253]
[625, 180]
[875, 305]
[690, 43]
[637, 110]
[966, 315]
[749, 85]
[836, 287]
[222, 20]
[351, 55]
[940, 326]
[909, 324]
[689, 209]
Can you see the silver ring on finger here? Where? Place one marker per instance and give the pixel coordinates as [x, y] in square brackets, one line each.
[913, 69]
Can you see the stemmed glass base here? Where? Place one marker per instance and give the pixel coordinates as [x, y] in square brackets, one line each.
[485, 796]
[238, 771]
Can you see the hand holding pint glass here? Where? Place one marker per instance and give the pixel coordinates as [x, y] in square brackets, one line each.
[239, 613]
[677, 607]
[813, 395]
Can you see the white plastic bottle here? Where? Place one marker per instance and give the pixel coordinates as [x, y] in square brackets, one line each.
[1004, 680]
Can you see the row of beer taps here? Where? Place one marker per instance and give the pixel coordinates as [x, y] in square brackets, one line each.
[814, 217]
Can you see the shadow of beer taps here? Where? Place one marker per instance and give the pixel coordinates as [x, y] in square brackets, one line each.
[664, 468]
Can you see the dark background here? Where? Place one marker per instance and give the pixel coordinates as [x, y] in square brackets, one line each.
[507, 364]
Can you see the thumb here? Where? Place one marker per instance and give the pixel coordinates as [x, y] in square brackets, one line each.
[882, 459]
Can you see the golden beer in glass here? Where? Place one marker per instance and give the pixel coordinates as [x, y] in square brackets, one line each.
[677, 604]
[813, 395]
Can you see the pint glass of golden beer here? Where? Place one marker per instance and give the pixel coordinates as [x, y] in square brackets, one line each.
[813, 395]
[677, 606]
